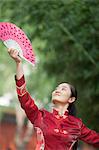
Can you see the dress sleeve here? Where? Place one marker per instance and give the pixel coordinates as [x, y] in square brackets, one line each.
[27, 102]
[89, 136]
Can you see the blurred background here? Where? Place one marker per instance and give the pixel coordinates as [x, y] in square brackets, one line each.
[65, 38]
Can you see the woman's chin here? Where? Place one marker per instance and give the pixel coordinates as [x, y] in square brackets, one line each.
[55, 101]
[58, 101]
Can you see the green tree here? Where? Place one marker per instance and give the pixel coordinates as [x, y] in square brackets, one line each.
[68, 32]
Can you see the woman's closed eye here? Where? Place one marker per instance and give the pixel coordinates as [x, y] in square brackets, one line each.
[61, 88]
[64, 89]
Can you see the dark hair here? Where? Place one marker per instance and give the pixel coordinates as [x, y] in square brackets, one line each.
[73, 91]
[72, 108]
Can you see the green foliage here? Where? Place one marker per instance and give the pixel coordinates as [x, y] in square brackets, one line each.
[65, 37]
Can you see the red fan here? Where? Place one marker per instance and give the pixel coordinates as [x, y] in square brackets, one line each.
[13, 37]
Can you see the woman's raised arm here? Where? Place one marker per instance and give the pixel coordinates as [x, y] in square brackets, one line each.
[26, 101]
[14, 54]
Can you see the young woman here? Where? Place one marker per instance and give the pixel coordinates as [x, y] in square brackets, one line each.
[59, 129]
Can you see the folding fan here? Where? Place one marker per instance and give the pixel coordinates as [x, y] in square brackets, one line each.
[13, 37]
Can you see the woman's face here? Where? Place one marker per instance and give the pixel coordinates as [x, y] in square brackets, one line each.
[62, 93]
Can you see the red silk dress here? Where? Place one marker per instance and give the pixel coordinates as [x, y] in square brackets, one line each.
[57, 132]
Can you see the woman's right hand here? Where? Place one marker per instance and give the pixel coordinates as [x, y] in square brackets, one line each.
[14, 54]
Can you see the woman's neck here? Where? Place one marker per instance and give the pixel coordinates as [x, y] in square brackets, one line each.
[61, 108]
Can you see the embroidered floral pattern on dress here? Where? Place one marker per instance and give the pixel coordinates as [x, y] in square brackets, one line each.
[21, 90]
[40, 139]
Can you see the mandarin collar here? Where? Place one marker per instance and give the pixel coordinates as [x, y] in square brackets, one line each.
[56, 112]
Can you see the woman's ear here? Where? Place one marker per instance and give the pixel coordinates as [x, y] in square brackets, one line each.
[71, 100]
